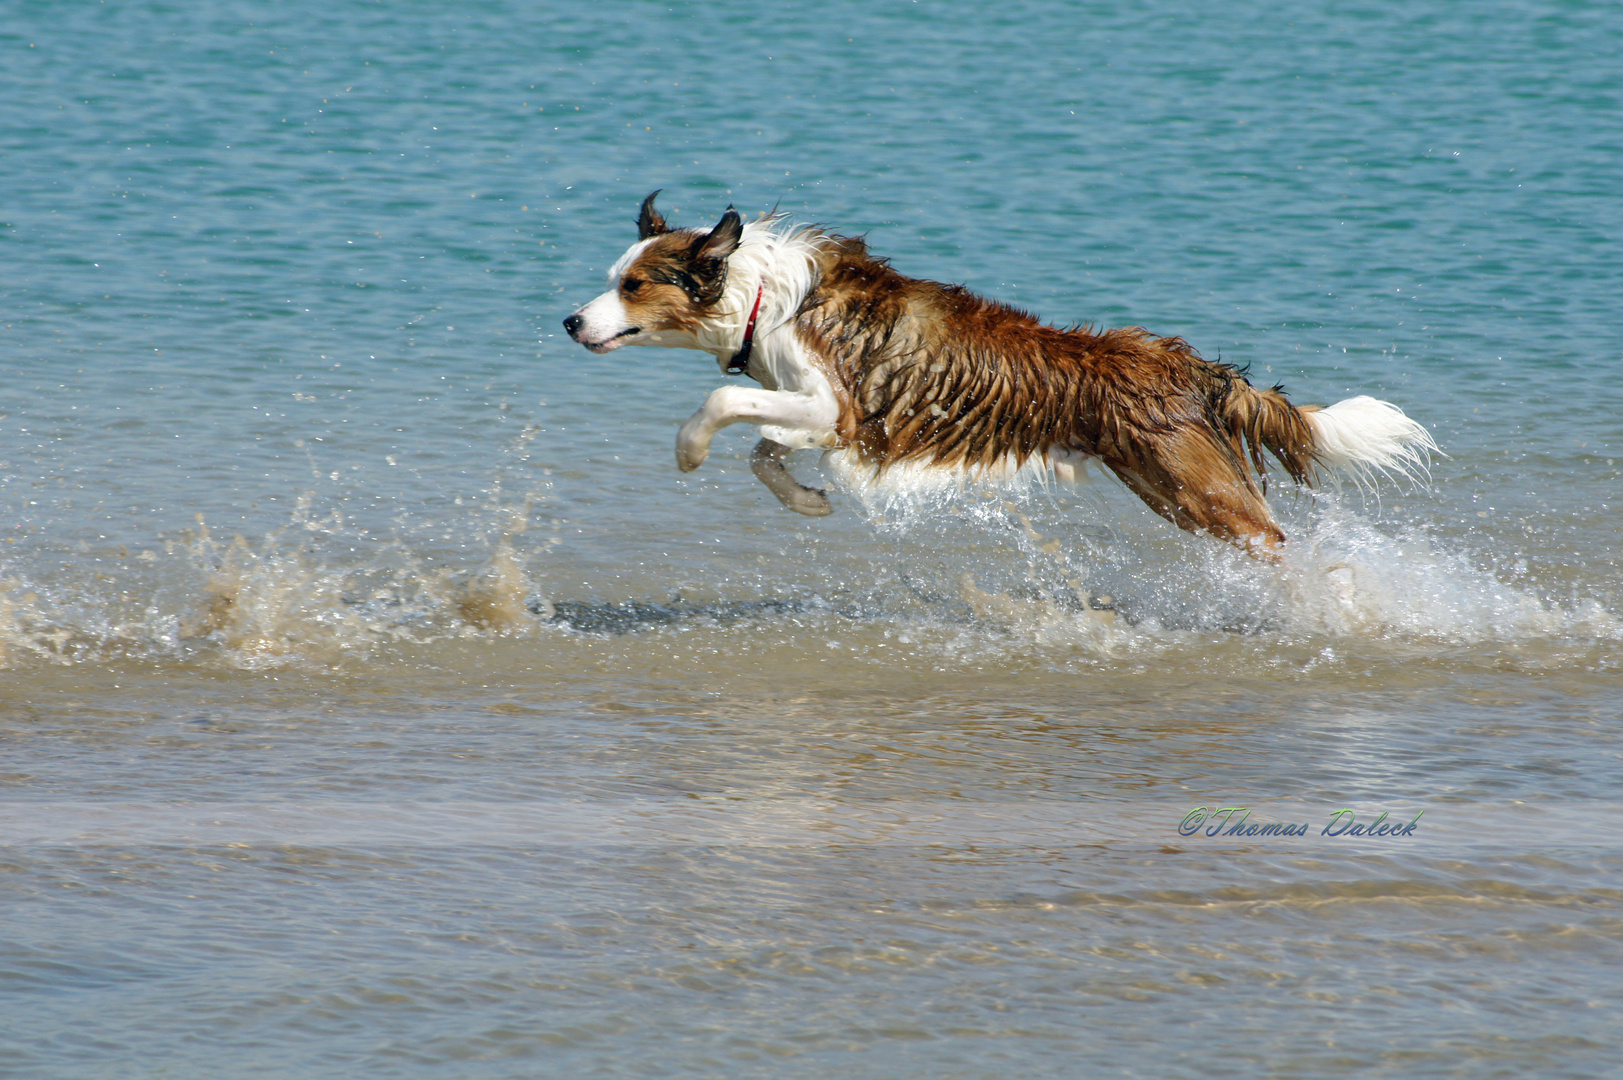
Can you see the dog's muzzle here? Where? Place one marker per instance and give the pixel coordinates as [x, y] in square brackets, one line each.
[575, 322]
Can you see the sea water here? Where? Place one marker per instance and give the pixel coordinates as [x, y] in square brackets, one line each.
[379, 699]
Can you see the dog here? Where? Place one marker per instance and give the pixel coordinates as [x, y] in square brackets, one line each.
[892, 374]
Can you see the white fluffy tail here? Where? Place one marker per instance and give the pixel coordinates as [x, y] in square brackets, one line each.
[1362, 436]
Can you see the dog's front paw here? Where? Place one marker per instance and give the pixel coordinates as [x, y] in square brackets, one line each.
[692, 447]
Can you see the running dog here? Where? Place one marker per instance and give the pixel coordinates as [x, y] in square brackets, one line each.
[895, 374]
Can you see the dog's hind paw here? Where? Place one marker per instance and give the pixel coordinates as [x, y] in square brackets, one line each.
[808, 501]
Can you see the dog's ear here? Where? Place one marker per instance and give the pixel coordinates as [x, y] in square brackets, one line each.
[651, 222]
[721, 241]
[705, 276]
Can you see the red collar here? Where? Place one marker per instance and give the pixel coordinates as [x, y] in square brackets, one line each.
[741, 359]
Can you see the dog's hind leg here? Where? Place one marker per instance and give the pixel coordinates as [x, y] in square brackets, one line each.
[1195, 482]
[767, 464]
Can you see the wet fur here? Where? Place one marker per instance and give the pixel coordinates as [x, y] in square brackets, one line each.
[932, 376]
[940, 376]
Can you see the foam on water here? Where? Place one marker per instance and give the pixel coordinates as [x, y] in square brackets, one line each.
[317, 592]
[313, 591]
[1343, 575]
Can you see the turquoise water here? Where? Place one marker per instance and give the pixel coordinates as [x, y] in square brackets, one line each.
[379, 700]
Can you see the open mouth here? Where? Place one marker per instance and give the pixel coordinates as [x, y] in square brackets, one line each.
[614, 342]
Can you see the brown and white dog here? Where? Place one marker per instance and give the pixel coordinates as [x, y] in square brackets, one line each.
[894, 375]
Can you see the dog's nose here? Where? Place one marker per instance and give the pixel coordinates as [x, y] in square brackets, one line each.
[572, 324]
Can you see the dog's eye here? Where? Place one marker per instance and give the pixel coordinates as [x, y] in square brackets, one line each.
[631, 284]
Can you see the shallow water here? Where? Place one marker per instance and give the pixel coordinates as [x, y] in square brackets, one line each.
[380, 700]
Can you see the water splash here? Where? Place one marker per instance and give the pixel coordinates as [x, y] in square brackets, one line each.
[499, 596]
[959, 575]
[1343, 574]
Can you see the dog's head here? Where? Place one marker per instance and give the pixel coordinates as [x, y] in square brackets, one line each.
[662, 288]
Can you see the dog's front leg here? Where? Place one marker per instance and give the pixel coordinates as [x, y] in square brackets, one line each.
[807, 413]
[767, 464]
